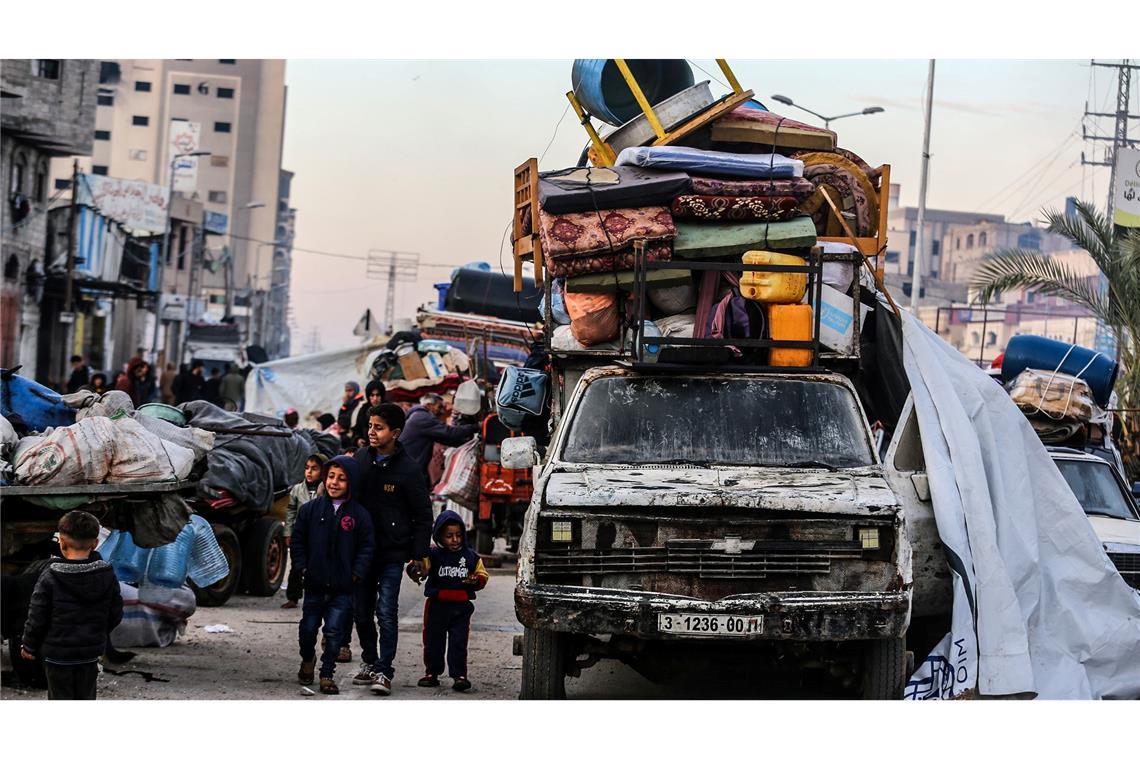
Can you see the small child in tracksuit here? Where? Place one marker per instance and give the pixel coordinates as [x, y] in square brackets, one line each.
[454, 573]
[332, 547]
[305, 491]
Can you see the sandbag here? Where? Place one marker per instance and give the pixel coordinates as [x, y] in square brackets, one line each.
[677, 326]
[110, 404]
[594, 317]
[140, 455]
[148, 624]
[8, 438]
[67, 456]
[198, 441]
[460, 481]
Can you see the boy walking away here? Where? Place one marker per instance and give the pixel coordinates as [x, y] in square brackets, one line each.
[302, 493]
[454, 573]
[75, 606]
[331, 546]
[396, 496]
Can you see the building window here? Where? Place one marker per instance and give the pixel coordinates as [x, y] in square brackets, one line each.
[217, 196]
[142, 86]
[41, 182]
[982, 240]
[140, 121]
[182, 247]
[221, 126]
[991, 338]
[109, 72]
[226, 92]
[102, 134]
[136, 154]
[970, 240]
[227, 60]
[1030, 296]
[181, 89]
[16, 175]
[219, 160]
[913, 236]
[12, 268]
[47, 68]
[104, 100]
[958, 244]
[62, 184]
[100, 170]
[892, 257]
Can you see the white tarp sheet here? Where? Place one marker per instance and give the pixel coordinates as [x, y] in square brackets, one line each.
[1038, 607]
[312, 382]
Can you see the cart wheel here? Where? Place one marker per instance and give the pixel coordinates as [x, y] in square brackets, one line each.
[220, 592]
[264, 557]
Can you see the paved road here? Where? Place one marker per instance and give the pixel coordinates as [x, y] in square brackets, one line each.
[259, 659]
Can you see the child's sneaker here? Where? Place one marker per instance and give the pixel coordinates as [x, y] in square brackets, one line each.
[382, 686]
[305, 674]
[428, 680]
[366, 676]
[345, 655]
[328, 686]
[461, 684]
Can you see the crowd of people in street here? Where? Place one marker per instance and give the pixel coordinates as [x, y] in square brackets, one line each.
[172, 386]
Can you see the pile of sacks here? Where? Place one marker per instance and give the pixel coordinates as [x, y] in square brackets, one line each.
[748, 188]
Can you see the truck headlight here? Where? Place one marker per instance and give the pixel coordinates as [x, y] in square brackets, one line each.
[868, 538]
[562, 531]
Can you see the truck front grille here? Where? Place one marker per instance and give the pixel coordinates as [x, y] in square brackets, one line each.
[705, 559]
[1128, 565]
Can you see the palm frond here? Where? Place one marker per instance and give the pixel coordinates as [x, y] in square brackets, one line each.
[1017, 268]
[1087, 231]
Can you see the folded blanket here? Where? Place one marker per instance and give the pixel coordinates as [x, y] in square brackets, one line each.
[751, 125]
[588, 188]
[797, 187]
[568, 266]
[850, 187]
[748, 165]
[714, 208]
[612, 230]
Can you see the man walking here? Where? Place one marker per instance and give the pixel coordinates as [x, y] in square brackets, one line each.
[424, 429]
[232, 389]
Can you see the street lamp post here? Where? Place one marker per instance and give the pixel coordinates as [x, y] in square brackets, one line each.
[166, 248]
[826, 119]
[261, 298]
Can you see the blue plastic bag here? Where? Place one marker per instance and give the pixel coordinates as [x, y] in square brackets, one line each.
[557, 304]
[168, 563]
[208, 563]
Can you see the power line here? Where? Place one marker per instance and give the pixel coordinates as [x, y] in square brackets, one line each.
[331, 254]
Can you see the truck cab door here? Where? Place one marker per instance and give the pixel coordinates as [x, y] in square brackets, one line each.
[905, 469]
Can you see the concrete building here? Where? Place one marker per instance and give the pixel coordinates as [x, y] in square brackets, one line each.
[965, 247]
[48, 110]
[239, 109]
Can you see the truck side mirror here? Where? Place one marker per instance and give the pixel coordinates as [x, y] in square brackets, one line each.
[519, 453]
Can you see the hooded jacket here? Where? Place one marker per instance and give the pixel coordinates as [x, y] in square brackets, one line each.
[75, 605]
[423, 429]
[360, 428]
[448, 571]
[396, 496]
[333, 548]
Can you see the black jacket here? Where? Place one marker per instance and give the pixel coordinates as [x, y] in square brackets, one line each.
[333, 548]
[346, 420]
[75, 605]
[423, 430]
[395, 494]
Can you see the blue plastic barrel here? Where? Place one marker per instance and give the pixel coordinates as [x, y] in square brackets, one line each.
[38, 406]
[1034, 352]
[441, 290]
[602, 90]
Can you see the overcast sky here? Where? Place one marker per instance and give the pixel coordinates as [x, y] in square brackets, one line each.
[418, 156]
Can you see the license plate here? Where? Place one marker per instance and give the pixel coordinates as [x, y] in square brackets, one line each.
[709, 625]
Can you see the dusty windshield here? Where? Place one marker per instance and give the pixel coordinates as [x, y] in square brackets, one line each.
[1095, 488]
[740, 421]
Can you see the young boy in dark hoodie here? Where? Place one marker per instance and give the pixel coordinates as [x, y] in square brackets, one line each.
[305, 491]
[331, 546]
[454, 573]
[75, 606]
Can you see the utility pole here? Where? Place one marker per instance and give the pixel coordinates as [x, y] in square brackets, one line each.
[395, 266]
[1119, 138]
[72, 245]
[196, 258]
[920, 241]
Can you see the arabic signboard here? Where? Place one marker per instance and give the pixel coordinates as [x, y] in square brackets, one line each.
[1126, 194]
[216, 223]
[184, 139]
[138, 206]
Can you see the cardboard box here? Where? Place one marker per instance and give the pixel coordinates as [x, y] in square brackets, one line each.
[837, 329]
[413, 366]
[434, 366]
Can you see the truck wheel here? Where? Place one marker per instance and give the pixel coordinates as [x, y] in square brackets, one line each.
[264, 555]
[220, 592]
[484, 537]
[544, 665]
[884, 669]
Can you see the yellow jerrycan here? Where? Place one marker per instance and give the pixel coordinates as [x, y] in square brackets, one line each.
[789, 322]
[773, 287]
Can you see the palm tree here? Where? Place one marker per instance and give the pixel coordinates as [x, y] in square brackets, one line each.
[1117, 306]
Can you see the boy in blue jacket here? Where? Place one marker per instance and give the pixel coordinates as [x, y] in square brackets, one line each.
[331, 546]
[454, 573]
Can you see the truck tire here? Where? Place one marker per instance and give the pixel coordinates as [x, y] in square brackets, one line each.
[220, 592]
[884, 669]
[544, 665]
[264, 555]
[484, 537]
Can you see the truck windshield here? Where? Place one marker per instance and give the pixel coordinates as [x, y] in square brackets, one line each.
[1095, 488]
[758, 421]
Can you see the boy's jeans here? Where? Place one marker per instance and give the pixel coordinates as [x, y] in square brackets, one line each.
[387, 614]
[336, 612]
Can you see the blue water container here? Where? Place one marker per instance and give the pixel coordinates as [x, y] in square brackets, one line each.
[207, 563]
[1034, 352]
[168, 563]
[128, 560]
[602, 90]
[441, 292]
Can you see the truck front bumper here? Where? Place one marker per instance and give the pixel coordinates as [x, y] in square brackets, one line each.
[792, 616]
